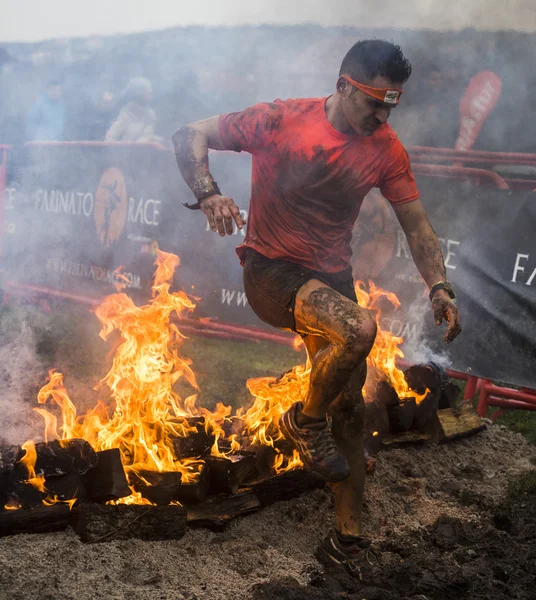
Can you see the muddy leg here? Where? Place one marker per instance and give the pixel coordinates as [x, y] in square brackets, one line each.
[348, 412]
[349, 331]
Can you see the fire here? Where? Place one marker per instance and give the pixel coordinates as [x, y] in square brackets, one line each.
[386, 347]
[146, 414]
[28, 460]
[273, 397]
[37, 481]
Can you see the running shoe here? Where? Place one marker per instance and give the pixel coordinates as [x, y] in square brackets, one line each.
[315, 443]
[350, 552]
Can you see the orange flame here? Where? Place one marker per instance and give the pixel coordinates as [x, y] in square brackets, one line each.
[147, 413]
[28, 460]
[386, 349]
[146, 366]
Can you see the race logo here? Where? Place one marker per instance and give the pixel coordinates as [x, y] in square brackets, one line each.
[111, 205]
[391, 96]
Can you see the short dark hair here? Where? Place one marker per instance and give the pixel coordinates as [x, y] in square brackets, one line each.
[369, 58]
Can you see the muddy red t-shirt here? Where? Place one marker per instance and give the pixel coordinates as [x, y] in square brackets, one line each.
[309, 180]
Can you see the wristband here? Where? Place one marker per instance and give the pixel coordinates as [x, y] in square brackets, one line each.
[206, 193]
[442, 285]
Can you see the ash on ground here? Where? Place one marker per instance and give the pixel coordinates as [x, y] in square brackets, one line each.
[453, 521]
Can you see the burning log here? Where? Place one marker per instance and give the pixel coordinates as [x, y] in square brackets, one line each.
[9, 457]
[228, 474]
[158, 488]
[25, 494]
[196, 443]
[455, 424]
[402, 415]
[435, 378]
[66, 487]
[105, 522]
[38, 520]
[107, 480]
[216, 512]
[285, 486]
[195, 490]
[63, 457]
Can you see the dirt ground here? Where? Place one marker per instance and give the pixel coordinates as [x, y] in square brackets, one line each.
[444, 519]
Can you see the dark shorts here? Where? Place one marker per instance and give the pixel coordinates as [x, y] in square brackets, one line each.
[271, 287]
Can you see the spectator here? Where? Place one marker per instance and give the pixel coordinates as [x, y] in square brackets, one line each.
[94, 115]
[136, 119]
[46, 119]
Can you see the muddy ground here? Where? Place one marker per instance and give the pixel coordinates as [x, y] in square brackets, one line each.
[445, 520]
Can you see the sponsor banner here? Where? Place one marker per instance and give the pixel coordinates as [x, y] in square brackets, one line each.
[75, 215]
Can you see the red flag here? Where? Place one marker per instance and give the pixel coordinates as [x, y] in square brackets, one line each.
[477, 102]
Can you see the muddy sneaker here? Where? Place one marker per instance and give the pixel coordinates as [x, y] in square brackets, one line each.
[315, 444]
[350, 552]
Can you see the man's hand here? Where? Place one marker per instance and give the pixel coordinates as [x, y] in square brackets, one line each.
[445, 310]
[220, 212]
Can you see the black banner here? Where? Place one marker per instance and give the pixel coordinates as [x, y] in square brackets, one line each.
[75, 214]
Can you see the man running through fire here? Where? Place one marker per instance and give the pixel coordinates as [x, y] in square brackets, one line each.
[314, 160]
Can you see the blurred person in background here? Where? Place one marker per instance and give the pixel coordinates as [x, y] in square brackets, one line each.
[46, 119]
[96, 116]
[136, 120]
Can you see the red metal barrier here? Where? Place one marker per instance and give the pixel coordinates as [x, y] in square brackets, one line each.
[460, 173]
[513, 158]
[504, 398]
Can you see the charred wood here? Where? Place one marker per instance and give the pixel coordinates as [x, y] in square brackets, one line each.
[158, 488]
[404, 438]
[66, 487]
[195, 444]
[37, 520]
[195, 490]
[25, 495]
[107, 480]
[228, 474]
[217, 511]
[62, 457]
[426, 410]
[402, 415]
[265, 457]
[106, 522]
[286, 485]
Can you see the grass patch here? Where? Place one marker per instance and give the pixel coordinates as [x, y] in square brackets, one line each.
[523, 486]
[521, 421]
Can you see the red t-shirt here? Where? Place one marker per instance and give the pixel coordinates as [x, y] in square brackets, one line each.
[309, 180]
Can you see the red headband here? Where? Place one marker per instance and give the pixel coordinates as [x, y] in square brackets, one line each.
[386, 95]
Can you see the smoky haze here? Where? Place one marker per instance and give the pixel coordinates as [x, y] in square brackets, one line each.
[209, 58]
[65, 19]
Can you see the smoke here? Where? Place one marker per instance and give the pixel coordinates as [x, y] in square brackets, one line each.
[418, 349]
[21, 371]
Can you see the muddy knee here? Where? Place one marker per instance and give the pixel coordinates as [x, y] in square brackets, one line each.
[359, 335]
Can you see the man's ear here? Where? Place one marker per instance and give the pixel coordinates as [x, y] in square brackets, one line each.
[343, 87]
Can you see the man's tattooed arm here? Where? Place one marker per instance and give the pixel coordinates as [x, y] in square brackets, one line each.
[191, 145]
[422, 241]
[428, 259]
